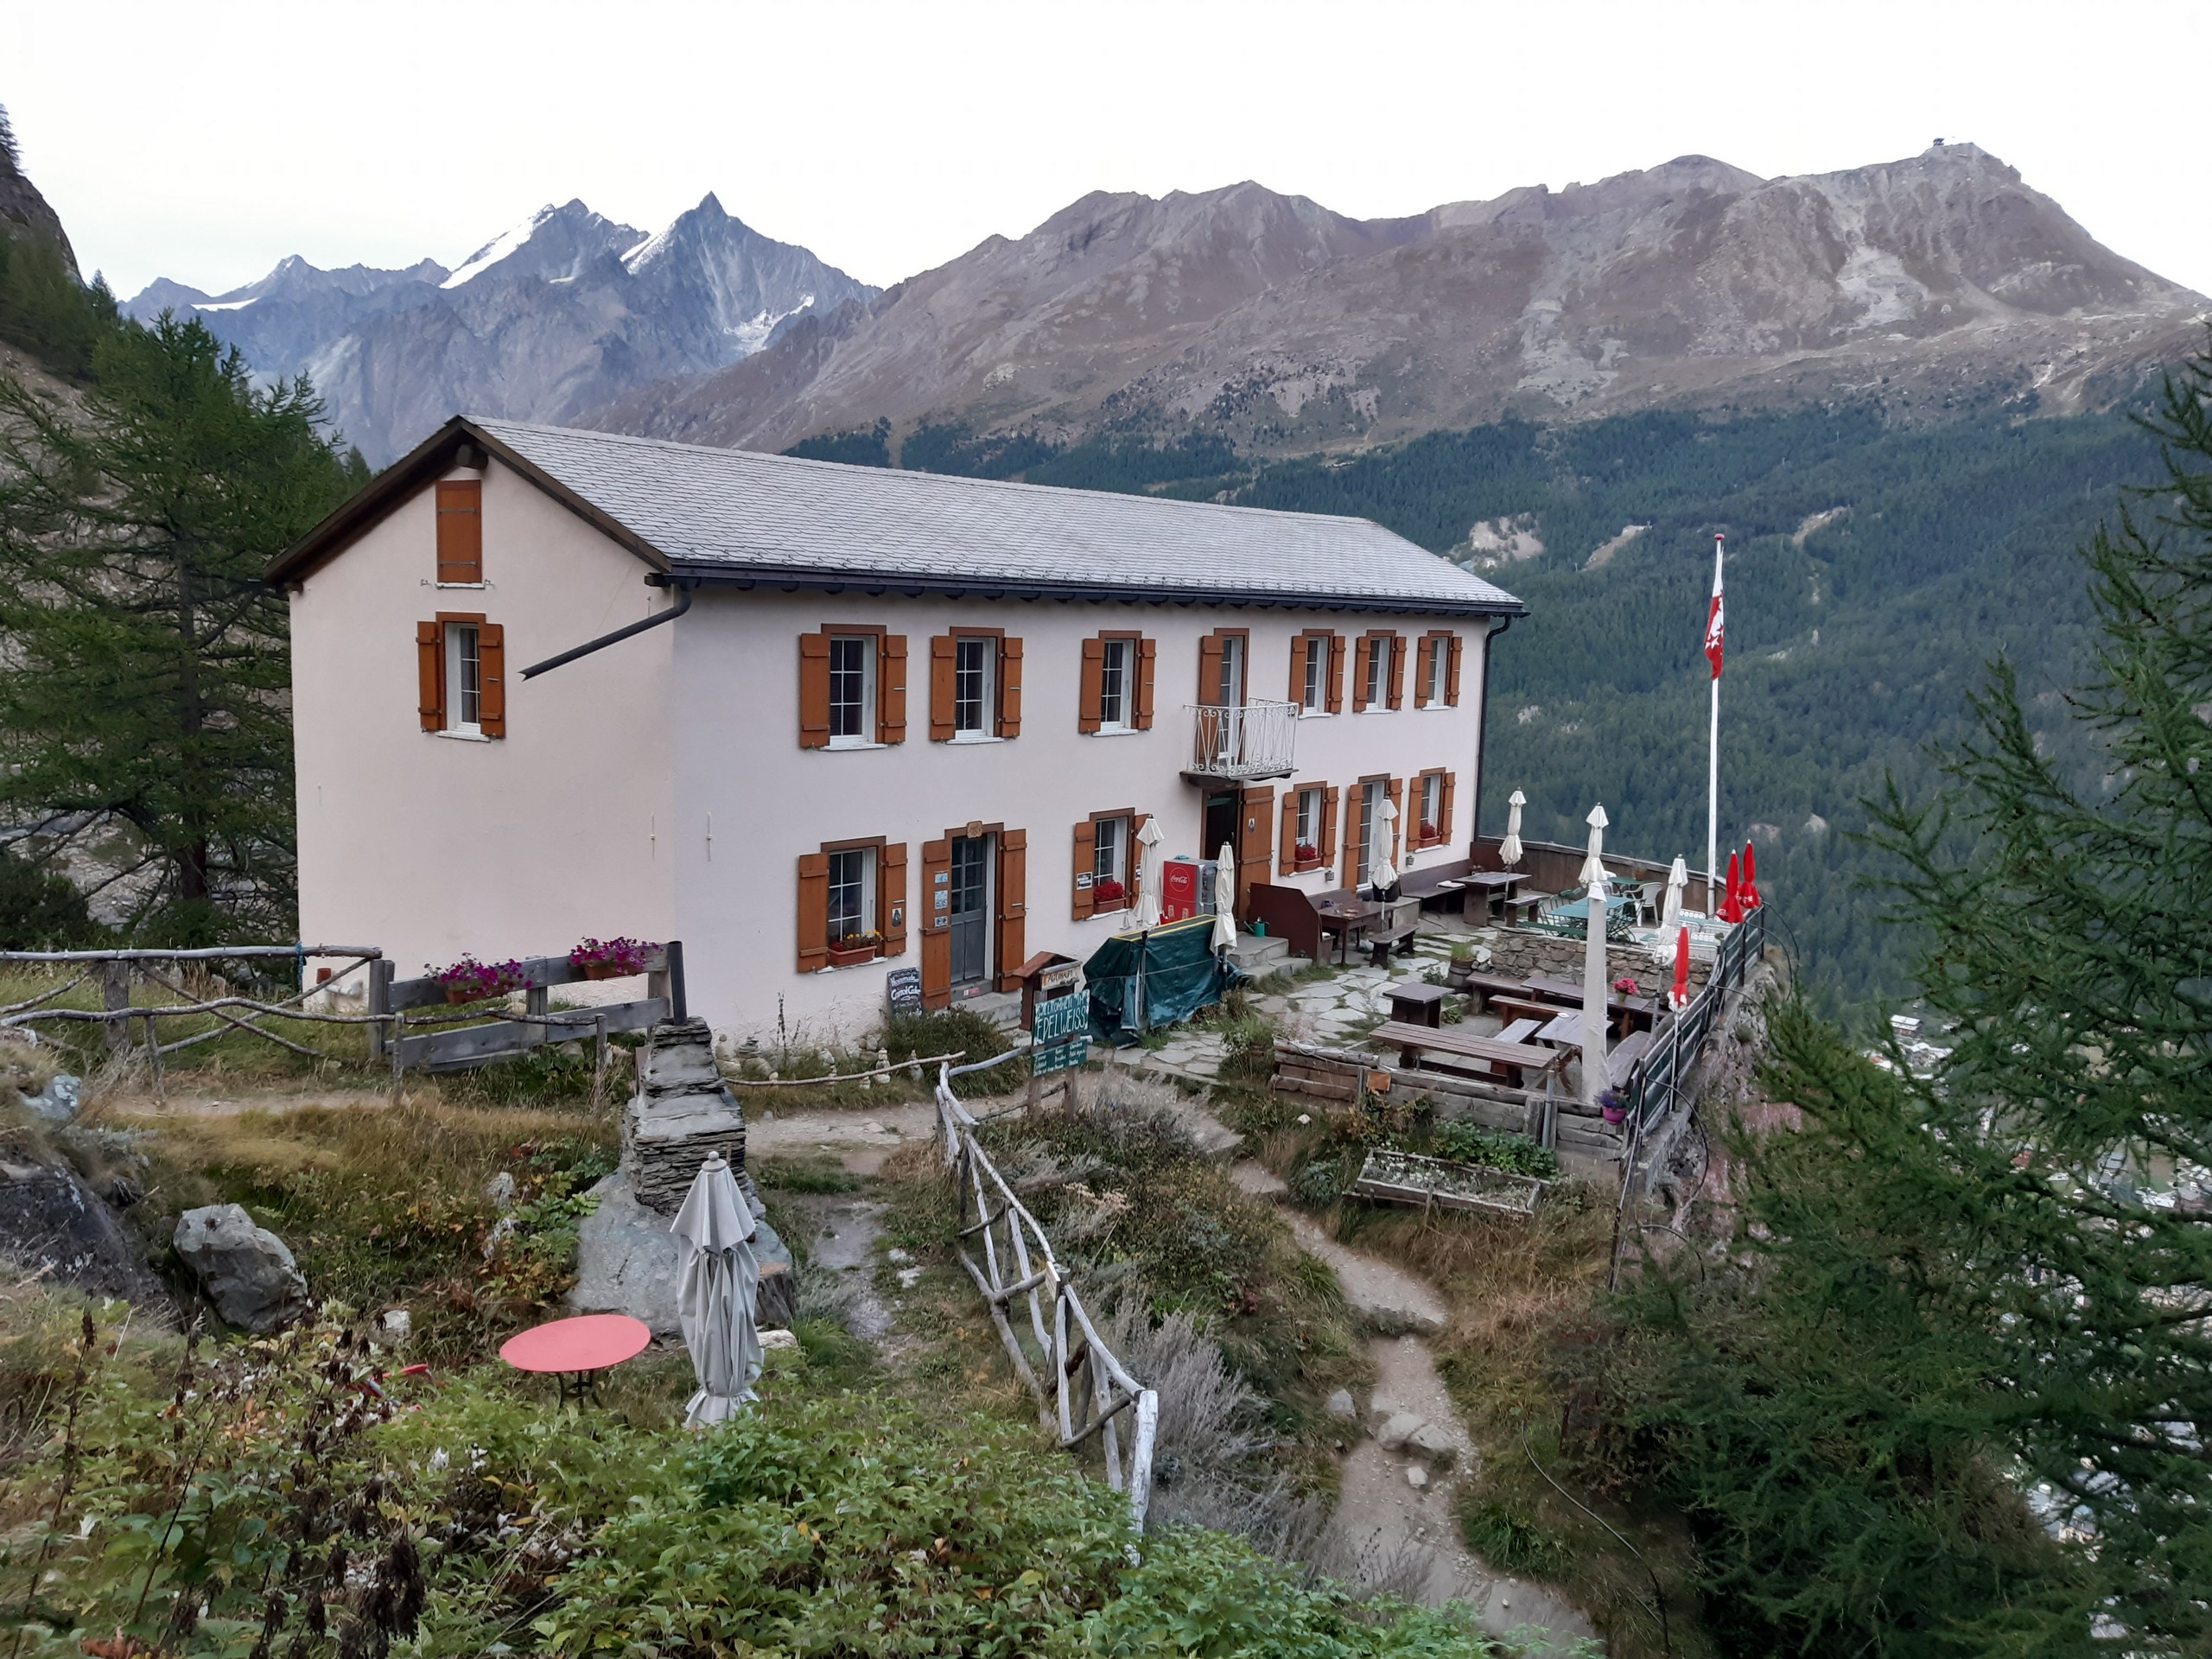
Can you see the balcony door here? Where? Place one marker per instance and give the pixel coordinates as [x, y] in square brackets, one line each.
[970, 907]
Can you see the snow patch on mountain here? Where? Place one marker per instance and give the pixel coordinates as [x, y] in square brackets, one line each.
[499, 247]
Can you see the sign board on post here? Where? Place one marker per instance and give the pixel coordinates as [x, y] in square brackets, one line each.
[902, 986]
[1062, 1033]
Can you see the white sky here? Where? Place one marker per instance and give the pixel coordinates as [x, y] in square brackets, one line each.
[206, 142]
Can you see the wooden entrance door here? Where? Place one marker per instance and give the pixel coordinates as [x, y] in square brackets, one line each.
[1256, 826]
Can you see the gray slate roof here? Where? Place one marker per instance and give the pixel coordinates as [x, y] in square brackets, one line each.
[735, 510]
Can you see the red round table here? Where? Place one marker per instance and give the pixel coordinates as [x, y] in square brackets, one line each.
[579, 1349]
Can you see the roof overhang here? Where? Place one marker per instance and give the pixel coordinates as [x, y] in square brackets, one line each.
[432, 458]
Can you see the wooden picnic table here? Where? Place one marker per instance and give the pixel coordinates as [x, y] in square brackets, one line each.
[1630, 1013]
[1343, 917]
[1507, 1060]
[1483, 986]
[1522, 1006]
[1492, 884]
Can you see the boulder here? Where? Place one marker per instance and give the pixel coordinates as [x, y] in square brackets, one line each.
[626, 1260]
[52, 1225]
[1341, 1404]
[246, 1270]
[1398, 1428]
[57, 1102]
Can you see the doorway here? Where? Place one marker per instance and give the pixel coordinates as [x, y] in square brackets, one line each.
[1220, 829]
[970, 912]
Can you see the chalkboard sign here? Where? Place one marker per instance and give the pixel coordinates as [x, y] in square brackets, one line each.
[904, 987]
[1062, 1030]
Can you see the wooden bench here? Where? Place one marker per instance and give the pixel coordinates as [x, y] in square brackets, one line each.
[1394, 927]
[1482, 986]
[1521, 1031]
[1623, 1059]
[1524, 1006]
[1428, 884]
[1509, 1061]
[1522, 907]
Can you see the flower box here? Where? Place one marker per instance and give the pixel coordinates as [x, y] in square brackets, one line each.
[471, 981]
[616, 958]
[841, 957]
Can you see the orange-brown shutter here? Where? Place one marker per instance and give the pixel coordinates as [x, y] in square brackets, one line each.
[1395, 645]
[1396, 791]
[935, 920]
[1287, 853]
[1013, 906]
[1091, 693]
[1086, 856]
[891, 692]
[814, 690]
[1210, 669]
[430, 675]
[1135, 860]
[1325, 846]
[890, 899]
[1444, 808]
[1254, 838]
[813, 912]
[1336, 673]
[1355, 802]
[942, 688]
[460, 530]
[1009, 688]
[1297, 646]
[491, 678]
[1425, 650]
[1147, 650]
[1451, 674]
[1362, 650]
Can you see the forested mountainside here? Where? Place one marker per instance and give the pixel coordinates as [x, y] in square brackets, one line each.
[1873, 569]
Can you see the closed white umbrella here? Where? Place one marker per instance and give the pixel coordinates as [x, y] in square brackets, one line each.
[717, 1286]
[1149, 839]
[1594, 985]
[1381, 872]
[1670, 913]
[1509, 850]
[1224, 899]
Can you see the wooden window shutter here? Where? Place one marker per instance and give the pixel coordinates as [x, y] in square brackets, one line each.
[430, 675]
[934, 924]
[1451, 674]
[1148, 650]
[1328, 841]
[1395, 645]
[491, 678]
[1444, 808]
[460, 530]
[1009, 688]
[891, 693]
[1363, 649]
[1091, 693]
[942, 688]
[1137, 822]
[1396, 791]
[814, 690]
[1355, 802]
[1287, 855]
[1336, 673]
[1298, 643]
[813, 912]
[1013, 906]
[1210, 669]
[1425, 650]
[1086, 854]
[890, 898]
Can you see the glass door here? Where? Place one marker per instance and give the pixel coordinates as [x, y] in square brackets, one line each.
[971, 910]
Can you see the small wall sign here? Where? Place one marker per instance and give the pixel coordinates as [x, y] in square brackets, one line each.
[903, 987]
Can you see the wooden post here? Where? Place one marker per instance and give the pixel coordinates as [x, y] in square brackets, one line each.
[153, 1058]
[115, 994]
[380, 977]
[1140, 1443]
[537, 1003]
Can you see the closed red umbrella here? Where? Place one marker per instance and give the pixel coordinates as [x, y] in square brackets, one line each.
[1682, 991]
[1752, 899]
[1731, 901]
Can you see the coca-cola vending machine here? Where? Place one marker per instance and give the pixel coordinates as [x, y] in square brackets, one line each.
[1186, 888]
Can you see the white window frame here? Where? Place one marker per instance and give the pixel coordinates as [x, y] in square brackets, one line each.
[865, 737]
[1433, 813]
[986, 649]
[1380, 649]
[1233, 680]
[1371, 796]
[867, 883]
[1306, 823]
[1439, 670]
[1118, 662]
[464, 668]
[1313, 695]
[1109, 853]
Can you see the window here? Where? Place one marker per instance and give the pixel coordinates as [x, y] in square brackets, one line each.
[1313, 695]
[1377, 688]
[1431, 807]
[852, 898]
[852, 690]
[1114, 687]
[1109, 851]
[1370, 848]
[974, 712]
[1232, 671]
[464, 679]
[460, 532]
[1439, 661]
[1309, 822]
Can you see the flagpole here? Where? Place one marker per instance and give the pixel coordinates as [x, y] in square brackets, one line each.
[1713, 645]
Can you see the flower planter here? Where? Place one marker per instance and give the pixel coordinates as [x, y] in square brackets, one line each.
[1300, 866]
[842, 959]
[1458, 975]
[1108, 906]
[608, 970]
[455, 996]
[1613, 1114]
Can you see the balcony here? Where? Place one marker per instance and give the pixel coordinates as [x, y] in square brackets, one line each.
[1241, 742]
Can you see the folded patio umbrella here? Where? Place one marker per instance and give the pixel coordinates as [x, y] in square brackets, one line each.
[1509, 850]
[717, 1287]
[1593, 868]
[1750, 894]
[1224, 899]
[1731, 901]
[1149, 839]
[1680, 995]
[1382, 873]
[1670, 908]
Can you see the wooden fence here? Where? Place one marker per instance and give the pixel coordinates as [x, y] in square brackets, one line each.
[1656, 1080]
[1091, 1389]
[507, 1036]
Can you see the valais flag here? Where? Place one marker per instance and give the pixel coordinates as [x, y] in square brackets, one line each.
[1712, 629]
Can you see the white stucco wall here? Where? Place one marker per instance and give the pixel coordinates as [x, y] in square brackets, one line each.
[431, 846]
[735, 688]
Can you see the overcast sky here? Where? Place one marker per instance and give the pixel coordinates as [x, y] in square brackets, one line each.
[206, 142]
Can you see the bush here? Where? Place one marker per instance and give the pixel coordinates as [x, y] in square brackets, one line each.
[956, 1030]
[1471, 1143]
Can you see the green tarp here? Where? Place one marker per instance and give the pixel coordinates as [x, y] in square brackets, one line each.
[1175, 964]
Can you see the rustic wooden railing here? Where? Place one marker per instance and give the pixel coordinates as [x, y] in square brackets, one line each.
[1090, 1388]
[1655, 1083]
[495, 1034]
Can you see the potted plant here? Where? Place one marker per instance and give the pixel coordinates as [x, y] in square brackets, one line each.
[608, 958]
[1462, 967]
[1612, 1108]
[1429, 835]
[854, 949]
[1109, 894]
[1308, 857]
[471, 981]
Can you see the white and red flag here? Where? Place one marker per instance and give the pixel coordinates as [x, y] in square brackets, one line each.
[1712, 616]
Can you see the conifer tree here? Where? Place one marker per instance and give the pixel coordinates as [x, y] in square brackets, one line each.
[1954, 1394]
[145, 675]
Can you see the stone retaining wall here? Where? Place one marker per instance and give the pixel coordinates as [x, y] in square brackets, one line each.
[1518, 950]
[1341, 1079]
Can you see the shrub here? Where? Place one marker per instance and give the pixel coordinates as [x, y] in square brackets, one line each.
[1471, 1143]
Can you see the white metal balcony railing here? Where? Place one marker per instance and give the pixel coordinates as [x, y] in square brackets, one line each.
[1249, 739]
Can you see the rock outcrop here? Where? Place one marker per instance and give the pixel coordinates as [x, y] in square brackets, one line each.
[55, 1226]
[246, 1271]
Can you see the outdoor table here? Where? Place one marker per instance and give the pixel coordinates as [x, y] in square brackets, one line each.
[1630, 1013]
[1340, 919]
[1418, 1003]
[574, 1351]
[1493, 885]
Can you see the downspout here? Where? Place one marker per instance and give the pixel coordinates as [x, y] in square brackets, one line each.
[1482, 729]
[683, 591]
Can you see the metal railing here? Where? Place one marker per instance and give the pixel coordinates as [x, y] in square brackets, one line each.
[1656, 1082]
[1243, 740]
[1090, 1388]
